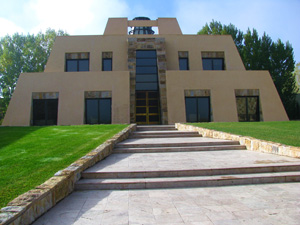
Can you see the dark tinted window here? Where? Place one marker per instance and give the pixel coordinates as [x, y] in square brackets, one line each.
[207, 64]
[146, 86]
[203, 109]
[45, 112]
[191, 109]
[197, 109]
[183, 64]
[83, 65]
[213, 64]
[248, 108]
[105, 110]
[146, 62]
[92, 114]
[146, 78]
[107, 64]
[74, 65]
[98, 111]
[146, 70]
[145, 54]
[71, 65]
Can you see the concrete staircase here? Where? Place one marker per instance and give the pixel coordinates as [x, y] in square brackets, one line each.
[162, 157]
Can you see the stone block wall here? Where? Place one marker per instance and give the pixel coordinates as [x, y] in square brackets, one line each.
[157, 44]
[252, 144]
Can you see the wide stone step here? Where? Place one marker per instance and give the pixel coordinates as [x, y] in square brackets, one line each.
[165, 135]
[191, 172]
[176, 144]
[179, 149]
[155, 127]
[183, 182]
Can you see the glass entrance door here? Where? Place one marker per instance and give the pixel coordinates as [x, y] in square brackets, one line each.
[147, 107]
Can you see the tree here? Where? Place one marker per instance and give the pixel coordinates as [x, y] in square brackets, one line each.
[261, 53]
[216, 28]
[297, 76]
[23, 53]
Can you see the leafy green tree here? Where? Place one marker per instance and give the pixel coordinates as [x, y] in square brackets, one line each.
[261, 53]
[282, 68]
[216, 28]
[20, 54]
[297, 76]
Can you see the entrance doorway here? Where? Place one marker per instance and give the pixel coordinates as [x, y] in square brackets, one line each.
[147, 107]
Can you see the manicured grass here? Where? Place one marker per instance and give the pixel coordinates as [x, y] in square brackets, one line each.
[287, 132]
[31, 155]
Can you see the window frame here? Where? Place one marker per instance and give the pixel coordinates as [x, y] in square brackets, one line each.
[144, 70]
[98, 110]
[103, 64]
[212, 63]
[198, 120]
[77, 65]
[46, 118]
[187, 63]
[247, 108]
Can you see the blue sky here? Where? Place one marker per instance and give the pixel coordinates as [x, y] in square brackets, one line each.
[278, 18]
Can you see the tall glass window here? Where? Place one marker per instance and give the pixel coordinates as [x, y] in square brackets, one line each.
[197, 109]
[146, 70]
[183, 64]
[107, 64]
[107, 61]
[44, 112]
[98, 111]
[248, 108]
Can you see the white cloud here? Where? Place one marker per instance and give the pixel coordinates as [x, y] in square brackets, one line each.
[75, 16]
[9, 27]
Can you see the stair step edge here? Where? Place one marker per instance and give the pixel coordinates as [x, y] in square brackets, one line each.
[192, 173]
[295, 176]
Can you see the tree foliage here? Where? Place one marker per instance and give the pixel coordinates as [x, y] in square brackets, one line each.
[216, 28]
[20, 54]
[297, 76]
[261, 53]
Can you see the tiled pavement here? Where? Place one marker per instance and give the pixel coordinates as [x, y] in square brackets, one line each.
[249, 204]
[244, 204]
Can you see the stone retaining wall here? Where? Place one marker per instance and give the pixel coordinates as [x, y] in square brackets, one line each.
[251, 143]
[27, 207]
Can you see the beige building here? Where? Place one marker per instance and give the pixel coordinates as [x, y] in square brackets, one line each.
[145, 78]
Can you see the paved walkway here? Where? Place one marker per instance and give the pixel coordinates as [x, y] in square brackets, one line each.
[250, 204]
[244, 204]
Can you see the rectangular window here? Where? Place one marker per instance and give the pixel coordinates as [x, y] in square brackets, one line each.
[248, 108]
[183, 64]
[106, 61]
[106, 64]
[76, 62]
[197, 109]
[98, 111]
[44, 112]
[213, 63]
[183, 60]
[146, 70]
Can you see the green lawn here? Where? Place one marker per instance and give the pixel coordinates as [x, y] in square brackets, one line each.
[287, 132]
[31, 155]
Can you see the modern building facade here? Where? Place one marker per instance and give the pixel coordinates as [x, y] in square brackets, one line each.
[145, 78]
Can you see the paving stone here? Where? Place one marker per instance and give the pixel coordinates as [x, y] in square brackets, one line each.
[244, 204]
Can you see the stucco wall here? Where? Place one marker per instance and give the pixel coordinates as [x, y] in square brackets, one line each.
[222, 85]
[117, 44]
[71, 87]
